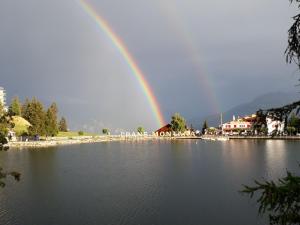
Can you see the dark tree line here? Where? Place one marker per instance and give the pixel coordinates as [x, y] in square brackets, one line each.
[43, 121]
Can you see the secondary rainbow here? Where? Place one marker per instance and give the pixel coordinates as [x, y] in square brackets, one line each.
[136, 71]
[173, 13]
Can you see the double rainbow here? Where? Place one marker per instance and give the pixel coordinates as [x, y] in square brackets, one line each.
[136, 71]
[172, 11]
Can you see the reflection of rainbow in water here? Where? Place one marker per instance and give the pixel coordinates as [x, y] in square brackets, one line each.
[136, 71]
[171, 10]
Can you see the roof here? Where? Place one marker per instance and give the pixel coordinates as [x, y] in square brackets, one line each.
[166, 128]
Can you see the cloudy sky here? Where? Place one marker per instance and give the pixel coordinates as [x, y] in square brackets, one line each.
[199, 56]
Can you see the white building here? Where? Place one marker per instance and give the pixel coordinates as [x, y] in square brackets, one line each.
[2, 97]
[240, 125]
[275, 126]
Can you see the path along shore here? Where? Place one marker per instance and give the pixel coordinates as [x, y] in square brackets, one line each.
[56, 141]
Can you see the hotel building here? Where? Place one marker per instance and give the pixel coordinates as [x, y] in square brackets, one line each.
[240, 125]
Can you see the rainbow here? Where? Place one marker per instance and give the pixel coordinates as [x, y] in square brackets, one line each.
[177, 21]
[136, 71]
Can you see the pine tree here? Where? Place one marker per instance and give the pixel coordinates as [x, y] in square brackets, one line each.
[15, 107]
[204, 127]
[279, 199]
[51, 125]
[63, 127]
[25, 108]
[33, 112]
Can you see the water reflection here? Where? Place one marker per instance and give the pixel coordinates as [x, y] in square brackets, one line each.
[149, 183]
[275, 156]
[239, 155]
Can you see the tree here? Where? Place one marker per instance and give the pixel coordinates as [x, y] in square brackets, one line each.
[204, 127]
[105, 131]
[294, 122]
[293, 49]
[33, 112]
[291, 130]
[25, 108]
[51, 125]
[178, 123]
[281, 199]
[141, 130]
[63, 126]
[5, 124]
[3, 129]
[15, 107]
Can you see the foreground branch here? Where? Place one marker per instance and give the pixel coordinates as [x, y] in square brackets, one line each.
[280, 200]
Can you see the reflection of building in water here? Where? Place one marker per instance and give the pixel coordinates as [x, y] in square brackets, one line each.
[275, 157]
[240, 154]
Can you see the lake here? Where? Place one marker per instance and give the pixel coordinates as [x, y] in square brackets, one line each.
[188, 182]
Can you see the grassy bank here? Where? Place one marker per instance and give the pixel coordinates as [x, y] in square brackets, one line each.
[75, 134]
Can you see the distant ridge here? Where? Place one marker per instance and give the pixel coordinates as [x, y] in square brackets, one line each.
[266, 101]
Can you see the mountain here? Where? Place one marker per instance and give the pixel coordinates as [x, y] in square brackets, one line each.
[266, 101]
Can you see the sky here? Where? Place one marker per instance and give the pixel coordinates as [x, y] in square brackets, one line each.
[200, 57]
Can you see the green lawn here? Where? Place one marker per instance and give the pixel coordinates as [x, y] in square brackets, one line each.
[74, 134]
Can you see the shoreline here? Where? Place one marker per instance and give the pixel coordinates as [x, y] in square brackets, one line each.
[60, 141]
[235, 137]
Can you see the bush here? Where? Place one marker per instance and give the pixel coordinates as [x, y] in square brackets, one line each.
[105, 131]
[80, 133]
[141, 130]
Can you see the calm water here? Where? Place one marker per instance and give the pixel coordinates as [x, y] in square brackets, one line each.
[141, 183]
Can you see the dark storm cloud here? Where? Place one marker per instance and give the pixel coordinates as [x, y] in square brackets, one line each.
[53, 49]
